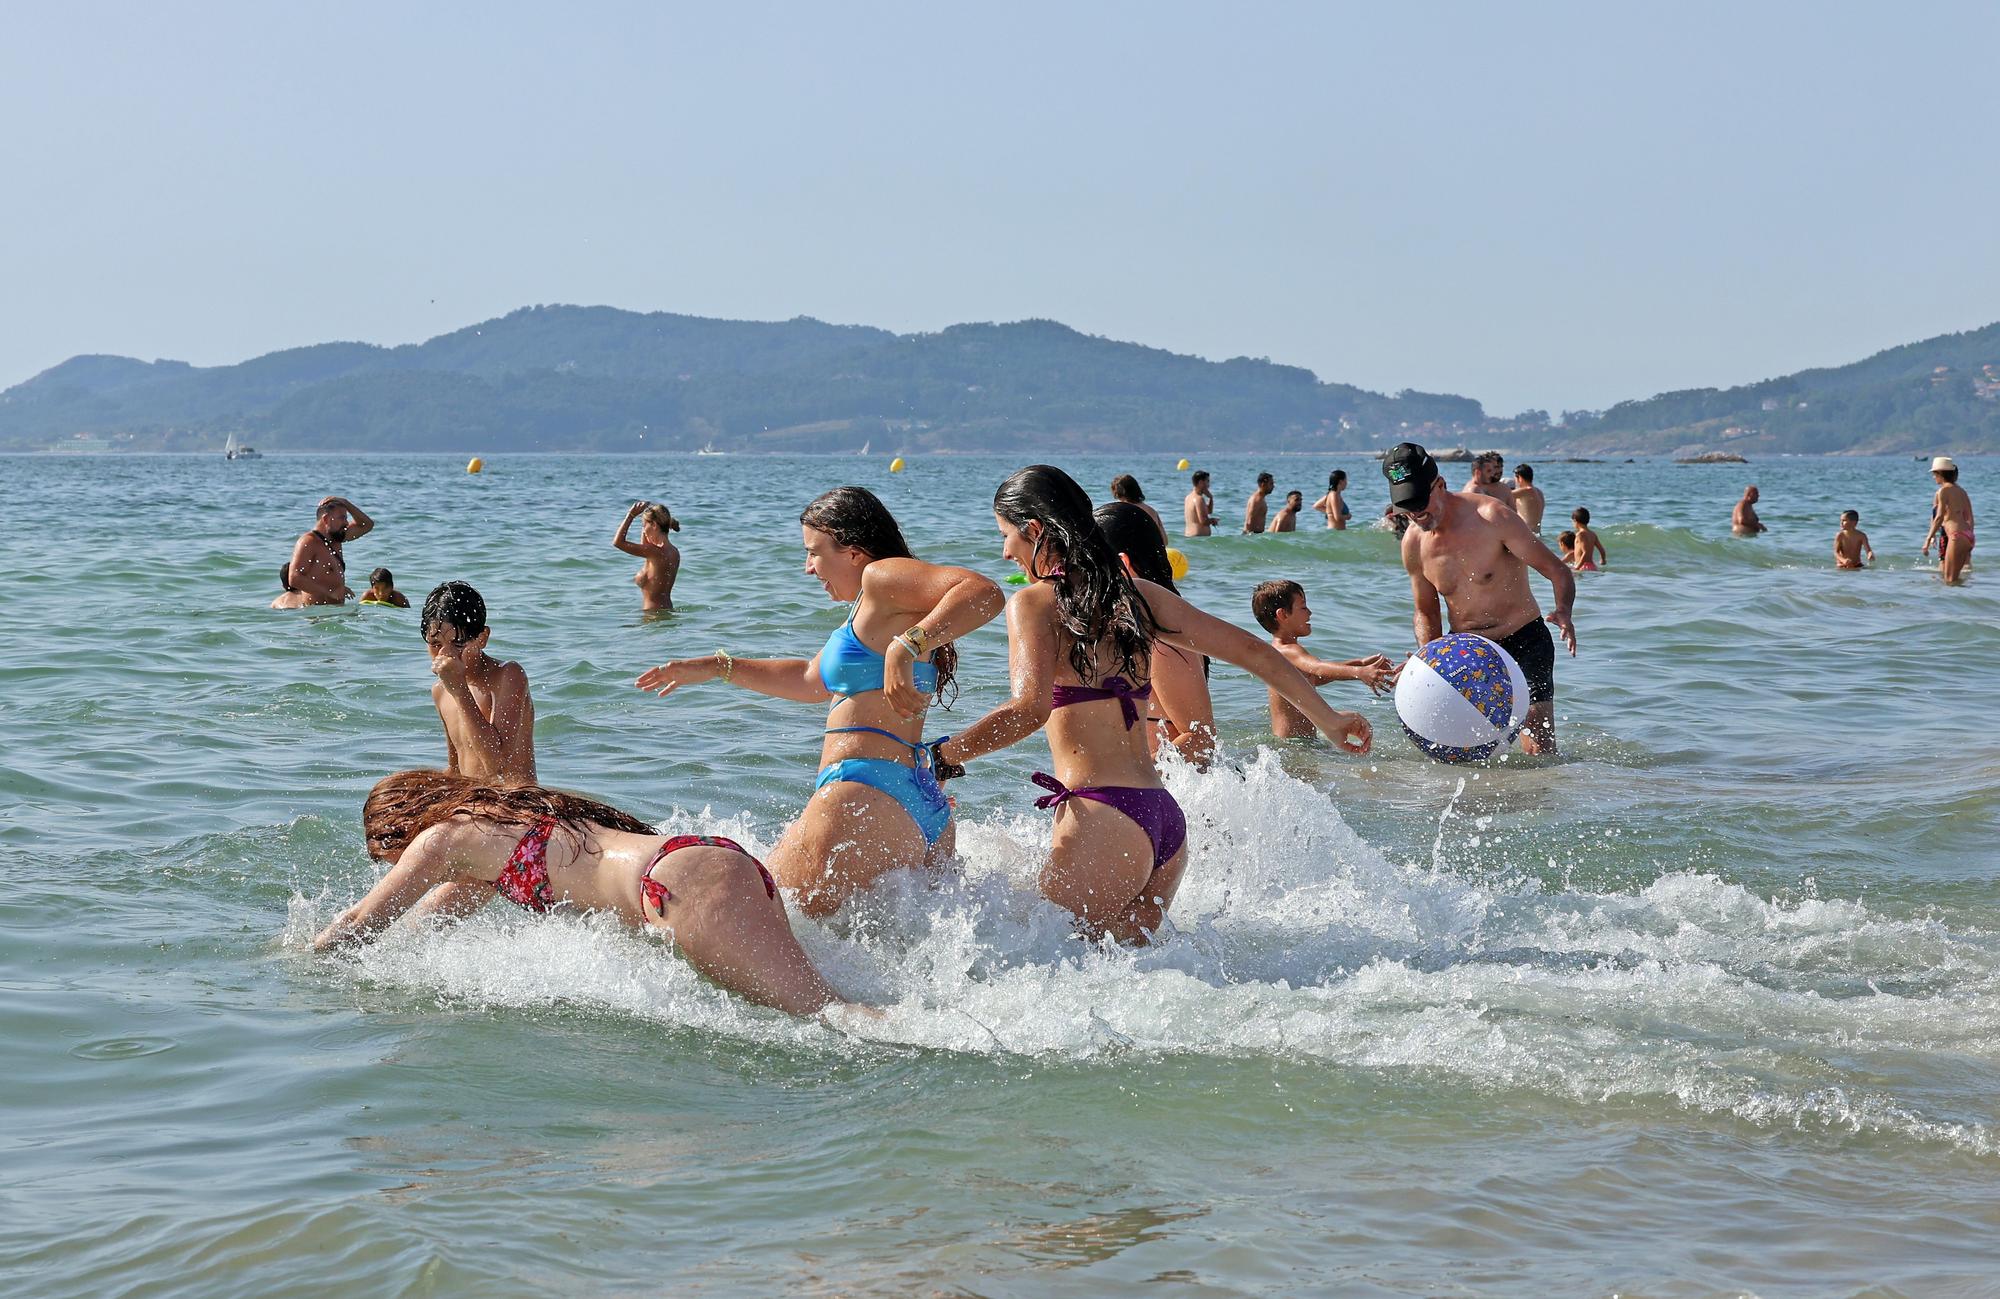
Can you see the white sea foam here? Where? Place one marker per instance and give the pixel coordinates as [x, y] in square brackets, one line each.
[1294, 937]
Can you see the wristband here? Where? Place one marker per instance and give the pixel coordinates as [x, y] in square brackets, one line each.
[727, 665]
[939, 767]
[916, 640]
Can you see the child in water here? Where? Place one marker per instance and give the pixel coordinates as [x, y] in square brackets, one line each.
[1280, 608]
[1586, 542]
[1566, 546]
[1850, 541]
[382, 590]
[488, 715]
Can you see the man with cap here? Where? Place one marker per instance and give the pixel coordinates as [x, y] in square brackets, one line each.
[1475, 553]
[1951, 521]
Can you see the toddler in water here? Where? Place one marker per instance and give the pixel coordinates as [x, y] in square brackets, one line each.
[382, 590]
[1566, 547]
[1586, 542]
[1850, 541]
[488, 716]
[1280, 608]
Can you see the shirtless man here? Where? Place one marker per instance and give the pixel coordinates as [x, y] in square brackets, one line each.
[1198, 510]
[1528, 499]
[1744, 521]
[1485, 479]
[1281, 609]
[1254, 511]
[317, 571]
[1288, 514]
[1951, 516]
[1476, 553]
[488, 716]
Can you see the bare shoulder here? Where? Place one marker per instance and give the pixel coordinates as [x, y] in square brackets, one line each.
[512, 674]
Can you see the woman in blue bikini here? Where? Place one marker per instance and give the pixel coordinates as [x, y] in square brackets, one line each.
[877, 805]
[1080, 642]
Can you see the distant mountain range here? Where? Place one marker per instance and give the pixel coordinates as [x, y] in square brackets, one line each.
[561, 378]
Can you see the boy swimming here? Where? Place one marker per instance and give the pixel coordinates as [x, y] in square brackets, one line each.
[1850, 541]
[1586, 542]
[488, 715]
[1280, 608]
[382, 590]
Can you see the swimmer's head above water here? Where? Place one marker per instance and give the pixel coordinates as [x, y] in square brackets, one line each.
[454, 620]
[1131, 532]
[659, 522]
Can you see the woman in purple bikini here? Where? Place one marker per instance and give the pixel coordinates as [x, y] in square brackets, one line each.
[1080, 642]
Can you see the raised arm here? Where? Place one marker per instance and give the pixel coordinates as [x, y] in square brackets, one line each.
[1521, 540]
[622, 538]
[949, 602]
[1188, 627]
[359, 524]
[1032, 648]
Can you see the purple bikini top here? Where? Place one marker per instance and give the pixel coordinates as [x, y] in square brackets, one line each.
[1113, 688]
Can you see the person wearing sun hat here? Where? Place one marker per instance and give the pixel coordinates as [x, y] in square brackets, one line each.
[1951, 521]
[1474, 553]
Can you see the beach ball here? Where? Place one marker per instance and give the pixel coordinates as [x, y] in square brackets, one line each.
[896, 465]
[1183, 464]
[474, 465]
[1177, 563]
[1462, 698]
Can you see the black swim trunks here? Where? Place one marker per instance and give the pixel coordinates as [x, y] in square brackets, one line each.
[1535, 650]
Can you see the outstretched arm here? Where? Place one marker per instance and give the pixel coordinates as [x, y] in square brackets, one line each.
[430, 860]
[1188, 627]
[779, 678]
[1031, 664]
[950, 603]
[1376, 671]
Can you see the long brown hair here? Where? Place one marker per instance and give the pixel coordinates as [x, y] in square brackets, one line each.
[855, 517]
[404, 805]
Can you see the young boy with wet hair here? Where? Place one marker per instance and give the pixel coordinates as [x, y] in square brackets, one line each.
[382, 590]
[1280, 608]
[1586, 542]
[1850, 541]
[488, 715]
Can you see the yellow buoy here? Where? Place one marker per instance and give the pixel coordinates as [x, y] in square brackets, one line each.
[896, 465]
[1177, 563]
[474, 465]
[1183, 464]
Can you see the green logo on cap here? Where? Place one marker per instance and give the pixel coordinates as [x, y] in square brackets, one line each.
[1399, 473]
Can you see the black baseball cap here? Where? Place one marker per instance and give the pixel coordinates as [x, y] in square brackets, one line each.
[1411, 472]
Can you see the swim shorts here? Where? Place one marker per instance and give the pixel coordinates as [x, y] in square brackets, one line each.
[1535, 650]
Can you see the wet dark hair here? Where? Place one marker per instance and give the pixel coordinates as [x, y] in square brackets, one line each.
[1199, 477]
[402, 806]
[1272, 598]
[457, 604]
[1580, 516]
[1126, 488]
[1300, 495]
[1335, 480]
[1526, 473]
[1131, 532]
[1266, 478]
[1851, 514]
[856, 517]
[1095, 600]
[1565, 539]
[382, 577]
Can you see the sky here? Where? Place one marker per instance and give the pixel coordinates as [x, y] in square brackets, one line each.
[1537, 205]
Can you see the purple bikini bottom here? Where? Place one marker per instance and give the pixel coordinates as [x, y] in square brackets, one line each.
[1154, 810]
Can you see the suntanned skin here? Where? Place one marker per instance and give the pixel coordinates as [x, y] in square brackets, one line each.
[1294, 622]
[1330, 505]
[1288, 516]
[488, 716]
[1587, 543]
[718, 914]
[1848, 545]
[1529, 503]
[1485, 480]
[384, 593]
[1149, 510]
[1743, 520]
[1198, 510]
[1951, 515]
[850, 834]
[1474, 553]
[655, 579]
[1255, 510]
[316, 576]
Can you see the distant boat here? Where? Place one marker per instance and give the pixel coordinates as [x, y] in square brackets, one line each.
[864, 449]
[710, 450]
[234, 450]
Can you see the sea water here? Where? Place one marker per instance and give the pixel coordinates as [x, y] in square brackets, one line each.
[1709, 1005]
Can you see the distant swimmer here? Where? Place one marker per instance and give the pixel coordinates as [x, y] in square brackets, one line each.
[488, 714]
[1280, 608]
[1126, 488]
[1528, 499]
[1951, 521]
[1475, 553]
[1850, 542]
[1080, 639]
[317, 570]
[382, 590]
[1743, 521]
[1255, 509]
[453, 844]
[1334, 504]
[655, 579]
[1198, 510]
[1485, 480]
[1589, 550]
[1288, 514]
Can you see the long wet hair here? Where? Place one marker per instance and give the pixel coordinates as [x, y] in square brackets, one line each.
[404, 805]
[856, 517]
[1131, 532]
[1095, 600]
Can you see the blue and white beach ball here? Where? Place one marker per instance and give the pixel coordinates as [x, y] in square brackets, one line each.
[1461, 698]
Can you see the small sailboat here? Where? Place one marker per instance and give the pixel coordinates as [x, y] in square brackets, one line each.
[710, 450]
[864, 448]
[234, 450]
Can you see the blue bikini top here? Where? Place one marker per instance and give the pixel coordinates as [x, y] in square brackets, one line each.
[848, 667]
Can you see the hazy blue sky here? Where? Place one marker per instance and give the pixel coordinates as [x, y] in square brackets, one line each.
[1549, 205]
